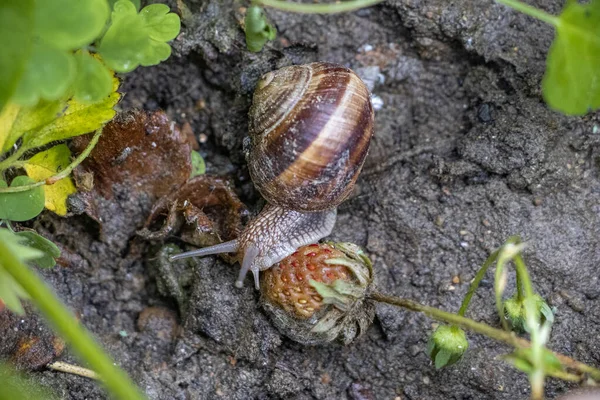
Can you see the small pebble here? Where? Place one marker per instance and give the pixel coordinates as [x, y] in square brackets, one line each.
[456, 279]
[439, 220]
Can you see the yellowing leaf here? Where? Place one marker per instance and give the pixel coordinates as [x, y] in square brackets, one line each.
[15, 121]
[46, 164]
[7, 120]
[77, 119]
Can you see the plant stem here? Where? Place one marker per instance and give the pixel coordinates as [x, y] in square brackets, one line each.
[68, 327]
[72, 369]
[478, 327]
[62, 174]
[531, 11]
[523, 280]
[8, 162]
[475, 284]
[307, 8]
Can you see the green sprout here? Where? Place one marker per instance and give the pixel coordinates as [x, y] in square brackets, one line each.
[258, 29]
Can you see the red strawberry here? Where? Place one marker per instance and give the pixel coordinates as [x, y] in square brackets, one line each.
[287, 284]
[318, 293]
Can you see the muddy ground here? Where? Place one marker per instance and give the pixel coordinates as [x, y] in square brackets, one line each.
[465, 154]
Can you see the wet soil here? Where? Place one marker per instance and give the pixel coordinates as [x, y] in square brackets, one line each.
[465, 154]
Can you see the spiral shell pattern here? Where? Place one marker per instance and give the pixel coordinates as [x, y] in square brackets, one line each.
[310, 129]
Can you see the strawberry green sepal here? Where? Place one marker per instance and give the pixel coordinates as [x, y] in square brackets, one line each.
[514, 311]
[447, 345]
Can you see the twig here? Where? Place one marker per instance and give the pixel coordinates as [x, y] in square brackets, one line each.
[62, 174]
[73, 369]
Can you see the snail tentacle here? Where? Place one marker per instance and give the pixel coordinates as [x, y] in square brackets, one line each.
[227, 247]
[247, 264]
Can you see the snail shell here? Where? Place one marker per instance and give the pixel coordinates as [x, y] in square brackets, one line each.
[310, 129]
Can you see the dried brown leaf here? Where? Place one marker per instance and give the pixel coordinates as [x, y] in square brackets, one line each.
[145, 151]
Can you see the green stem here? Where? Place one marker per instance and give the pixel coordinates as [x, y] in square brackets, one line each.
[523, 280]
[475, 284]
[10, 160]
[502, 336]
[307, 8]
[520, 294]
[531, 11]
[67, 326]
[62, 174]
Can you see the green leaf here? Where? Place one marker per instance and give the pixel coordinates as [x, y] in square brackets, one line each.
[21, 206]
[16, 27]
[50, 251]
[198, 165]
[258, 29]
[48, 163]
[126, 40]
[93, 81]
[155, 53]
[136, 3]
[77, 119]
[15, 243]
[572, 80]
[10, 291]
[138, 39]
[48, 74]
[521, 359]
[163, 25]
[70, 24]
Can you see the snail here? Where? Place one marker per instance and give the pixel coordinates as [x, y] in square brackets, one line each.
[310, 127]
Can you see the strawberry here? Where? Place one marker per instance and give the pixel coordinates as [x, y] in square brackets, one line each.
[288, 283]
[318, 293]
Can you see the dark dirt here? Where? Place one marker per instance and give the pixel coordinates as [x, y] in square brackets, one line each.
[465, 154]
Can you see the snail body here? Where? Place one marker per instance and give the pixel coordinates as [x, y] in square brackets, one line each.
[309, 133]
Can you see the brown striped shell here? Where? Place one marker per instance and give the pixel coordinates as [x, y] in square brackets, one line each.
[310, 129]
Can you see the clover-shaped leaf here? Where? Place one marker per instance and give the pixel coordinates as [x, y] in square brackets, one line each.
[93, 81]
[16, 25]
[21, 206]
[138, 39]
[70, 24]
[48, 74]
[155, 53]
[162, 24]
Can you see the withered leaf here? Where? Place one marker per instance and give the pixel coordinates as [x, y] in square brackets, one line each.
[143, 150]
[26, 340]
[205, 206]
